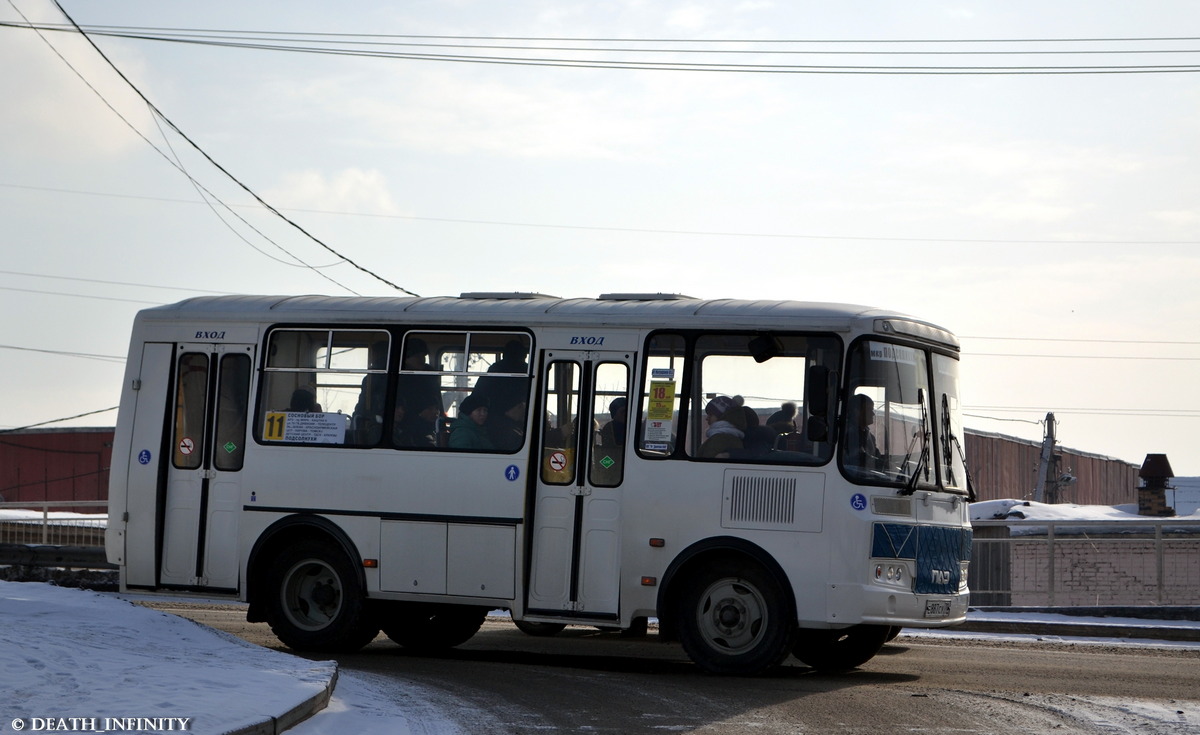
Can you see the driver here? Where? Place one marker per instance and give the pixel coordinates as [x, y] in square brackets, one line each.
[861, 450]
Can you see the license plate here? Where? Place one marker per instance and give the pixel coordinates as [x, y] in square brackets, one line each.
[937, 608]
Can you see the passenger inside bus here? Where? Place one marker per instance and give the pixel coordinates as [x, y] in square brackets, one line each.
[505, 389]
[304, 401]
[726, 427]
[861, 450]
[467, 431]
[783, 421]
[759, 439]
[612, 434]
[420, 396]
[369, 411]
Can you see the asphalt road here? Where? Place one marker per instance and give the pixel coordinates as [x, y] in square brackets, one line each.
[585, 680]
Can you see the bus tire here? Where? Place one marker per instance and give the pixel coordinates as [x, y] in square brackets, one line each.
[840, 650]
[316, 600]
[541, 630]
[733, 618]
[424, 628]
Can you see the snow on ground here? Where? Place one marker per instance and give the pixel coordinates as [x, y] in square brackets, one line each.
[75, 653]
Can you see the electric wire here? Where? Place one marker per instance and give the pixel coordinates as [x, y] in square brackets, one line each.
[160, 115]
[636, 230]
[369, 45]
[85, 355]
[114, 283]
[80, 296]
[136, 131]
[59, 420]
[218, 166]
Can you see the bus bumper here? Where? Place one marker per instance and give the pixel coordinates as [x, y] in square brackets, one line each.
[881, 606]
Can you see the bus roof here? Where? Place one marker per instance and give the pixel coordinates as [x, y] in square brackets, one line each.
[507, 309]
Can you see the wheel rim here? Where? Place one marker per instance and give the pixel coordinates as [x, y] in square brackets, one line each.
[312, 594]
[732, 615]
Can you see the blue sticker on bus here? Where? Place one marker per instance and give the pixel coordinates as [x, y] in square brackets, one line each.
[512, 472]
[144, 456]
[858, 501]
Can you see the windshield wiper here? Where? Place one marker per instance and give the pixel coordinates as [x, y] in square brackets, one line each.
[952, 438]
[910, 487]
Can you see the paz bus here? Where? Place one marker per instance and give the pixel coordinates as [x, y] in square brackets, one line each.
[764, 478]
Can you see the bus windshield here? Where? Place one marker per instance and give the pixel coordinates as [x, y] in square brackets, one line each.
[887, 432]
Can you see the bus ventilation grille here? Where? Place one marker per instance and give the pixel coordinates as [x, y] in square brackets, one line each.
[763, 500]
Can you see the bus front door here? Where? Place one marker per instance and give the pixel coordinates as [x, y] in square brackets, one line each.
[576, 516]
[207, 428]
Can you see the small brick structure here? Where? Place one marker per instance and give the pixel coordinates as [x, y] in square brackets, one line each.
[1152, 494]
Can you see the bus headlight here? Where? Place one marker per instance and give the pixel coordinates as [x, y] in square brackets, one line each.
[890, 573]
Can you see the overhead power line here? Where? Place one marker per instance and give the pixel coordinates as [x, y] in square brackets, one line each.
[87, 355]
[59, 420]
[114, 283]
[1139, 358]
[471, 49]
[639, 230]
[161, 116]
[1093, 341]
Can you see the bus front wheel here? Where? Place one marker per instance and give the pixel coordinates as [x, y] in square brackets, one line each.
[316, 600]
[733, 619]
[841, 650]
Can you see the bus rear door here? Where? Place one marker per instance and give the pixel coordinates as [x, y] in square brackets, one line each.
[576, 542]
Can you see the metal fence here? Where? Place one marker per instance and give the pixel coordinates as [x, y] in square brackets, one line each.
[49, 523]
[1142, 562]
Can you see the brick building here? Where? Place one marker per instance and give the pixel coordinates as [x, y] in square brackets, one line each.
[55, 464]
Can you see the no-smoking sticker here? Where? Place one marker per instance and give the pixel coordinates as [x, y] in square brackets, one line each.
[186, 446]
[558, 461]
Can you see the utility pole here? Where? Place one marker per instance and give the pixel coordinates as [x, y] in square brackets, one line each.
[1047, 465]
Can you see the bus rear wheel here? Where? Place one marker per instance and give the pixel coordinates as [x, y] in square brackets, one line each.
[425, 628]
[733, 619]
[840, 650]
[316, 600]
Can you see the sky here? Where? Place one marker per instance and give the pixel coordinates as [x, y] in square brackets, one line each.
[72, 653]
[1050, 220]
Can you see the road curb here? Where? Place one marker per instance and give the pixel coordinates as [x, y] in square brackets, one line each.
[1083, 630]
[295, 715]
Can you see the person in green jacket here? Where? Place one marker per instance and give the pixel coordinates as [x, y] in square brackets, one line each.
[467, 431]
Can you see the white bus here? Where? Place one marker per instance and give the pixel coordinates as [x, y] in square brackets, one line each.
[763, 477]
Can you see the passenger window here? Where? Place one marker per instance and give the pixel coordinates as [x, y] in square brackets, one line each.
[466, 391]
[750, 398]
[666, 356]
[325, 387]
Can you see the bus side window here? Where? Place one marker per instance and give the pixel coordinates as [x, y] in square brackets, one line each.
[463, 391]
[661, 394]
[342, 377]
